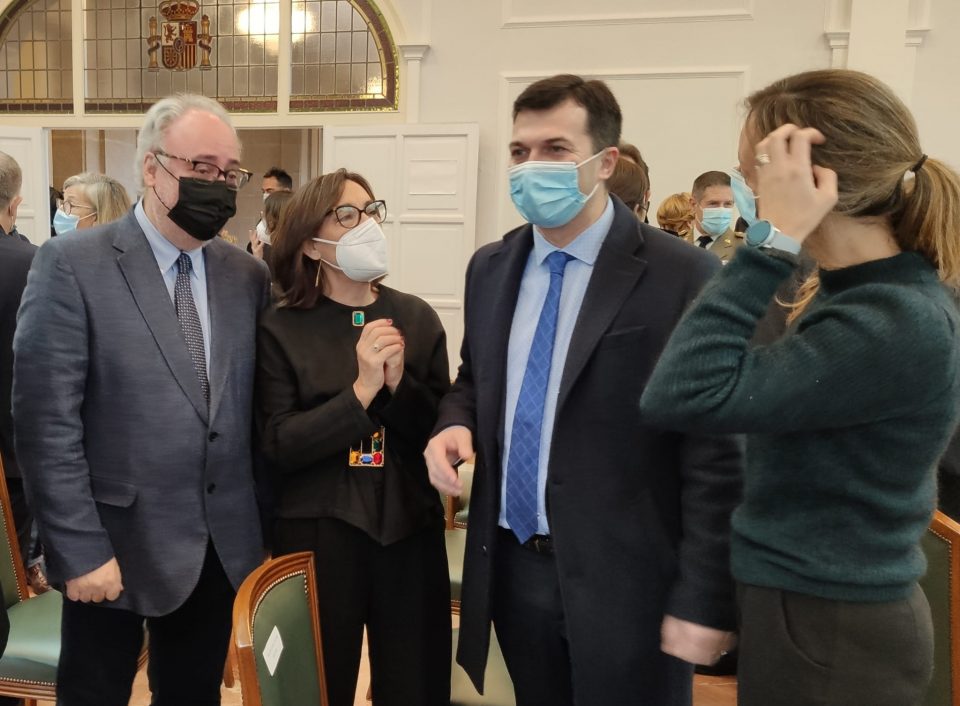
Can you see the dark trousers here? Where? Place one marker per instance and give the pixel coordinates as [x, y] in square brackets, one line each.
[400, 592]
[188, 648]
[528, 618]
[798, 650]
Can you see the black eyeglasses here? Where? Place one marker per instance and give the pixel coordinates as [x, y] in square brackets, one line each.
[235, 177]
[68, 206]
[349, 216]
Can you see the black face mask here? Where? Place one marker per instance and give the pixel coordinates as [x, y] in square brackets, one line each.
[204, 207]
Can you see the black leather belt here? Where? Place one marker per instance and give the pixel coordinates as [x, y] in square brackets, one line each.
[539, 543]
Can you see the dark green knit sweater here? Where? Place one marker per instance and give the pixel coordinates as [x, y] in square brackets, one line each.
[846, 416]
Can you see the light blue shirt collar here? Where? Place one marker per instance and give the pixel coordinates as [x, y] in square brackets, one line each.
[164, 251]
[585, 247]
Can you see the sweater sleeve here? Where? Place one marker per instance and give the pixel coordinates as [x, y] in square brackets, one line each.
[864, 355]
[294, 438]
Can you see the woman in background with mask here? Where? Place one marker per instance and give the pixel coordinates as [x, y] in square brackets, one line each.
[350, 373]
[89, 200]
[260, 239]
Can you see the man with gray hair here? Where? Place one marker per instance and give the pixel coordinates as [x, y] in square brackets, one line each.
[132, 403]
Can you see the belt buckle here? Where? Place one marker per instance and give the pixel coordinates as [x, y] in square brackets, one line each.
[541, 544]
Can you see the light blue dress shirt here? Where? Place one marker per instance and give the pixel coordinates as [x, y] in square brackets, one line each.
[533, 292]
[167, 255]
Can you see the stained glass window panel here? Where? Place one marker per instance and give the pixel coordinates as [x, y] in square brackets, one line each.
[343, 57]
[35, 64]
[221, 48]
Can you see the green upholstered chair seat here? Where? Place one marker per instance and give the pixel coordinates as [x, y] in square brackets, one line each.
[496, 684]
[456, 545]
[286, 607]
[33, 649]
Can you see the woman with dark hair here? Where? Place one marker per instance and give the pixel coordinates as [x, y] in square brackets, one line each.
[847, 413]
[350, 373]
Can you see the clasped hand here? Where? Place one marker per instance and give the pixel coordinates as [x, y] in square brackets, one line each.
[379, 360]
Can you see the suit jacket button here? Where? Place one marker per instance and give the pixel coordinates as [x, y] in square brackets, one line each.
[211, 487]
[483, 548]
[213, 436]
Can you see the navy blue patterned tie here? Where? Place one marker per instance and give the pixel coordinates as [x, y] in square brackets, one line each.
[523, 461]
[190, 321]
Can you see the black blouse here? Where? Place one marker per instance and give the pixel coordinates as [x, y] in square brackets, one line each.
[324, 448]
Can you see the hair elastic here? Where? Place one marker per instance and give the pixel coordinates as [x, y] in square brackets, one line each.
[916, 167]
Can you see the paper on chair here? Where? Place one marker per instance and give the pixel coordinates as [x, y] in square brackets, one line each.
[271, 653]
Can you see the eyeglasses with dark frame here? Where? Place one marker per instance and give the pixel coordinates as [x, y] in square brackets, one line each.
[68, 206]
[235, 177]
[349, 216]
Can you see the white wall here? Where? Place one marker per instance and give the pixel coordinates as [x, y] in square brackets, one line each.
[679, 70]
[936, 88]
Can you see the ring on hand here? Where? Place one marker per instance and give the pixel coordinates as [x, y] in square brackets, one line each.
[376, 348]
[762, 158]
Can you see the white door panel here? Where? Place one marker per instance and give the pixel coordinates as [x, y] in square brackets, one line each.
[30, 147]
[427, 174]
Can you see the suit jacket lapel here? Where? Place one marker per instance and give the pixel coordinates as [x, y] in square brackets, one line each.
[219, 287]
[503, 280]
[139, 268]
[615, 274]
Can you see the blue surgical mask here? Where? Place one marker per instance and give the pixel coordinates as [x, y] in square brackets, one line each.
[744, 197]
[716, 220]
[66, 222]
[548, 194]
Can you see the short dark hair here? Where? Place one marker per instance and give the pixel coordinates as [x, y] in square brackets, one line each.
[604, 119]
[706, 180]
[629, 183]
[284, 179]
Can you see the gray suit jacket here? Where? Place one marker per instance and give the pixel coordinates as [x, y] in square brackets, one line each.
[120, 453]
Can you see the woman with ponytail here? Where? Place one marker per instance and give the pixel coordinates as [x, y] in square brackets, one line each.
[847, 413]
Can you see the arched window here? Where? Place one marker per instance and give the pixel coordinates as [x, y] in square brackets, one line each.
[136, 51]
[36, 57]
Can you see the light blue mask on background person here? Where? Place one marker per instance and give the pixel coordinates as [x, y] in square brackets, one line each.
[744, 197]
[64, 223]
[716, 220]
[548, 194]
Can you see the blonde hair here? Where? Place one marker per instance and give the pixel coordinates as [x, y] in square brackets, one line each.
[107, 195]
[873, 146]
[676, 213]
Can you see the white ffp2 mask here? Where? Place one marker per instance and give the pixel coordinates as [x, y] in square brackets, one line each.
[361, 252]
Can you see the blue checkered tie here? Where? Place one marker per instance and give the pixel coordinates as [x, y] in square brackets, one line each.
[523, 461]
[190, 321]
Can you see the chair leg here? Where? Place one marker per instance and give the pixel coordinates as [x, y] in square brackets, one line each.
[228, 679]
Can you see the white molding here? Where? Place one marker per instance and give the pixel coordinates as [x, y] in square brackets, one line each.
[840, 38]
[837, 28]
[511, 21]
[412, 55]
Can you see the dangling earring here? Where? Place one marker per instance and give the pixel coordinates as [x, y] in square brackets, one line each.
[316, 282]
